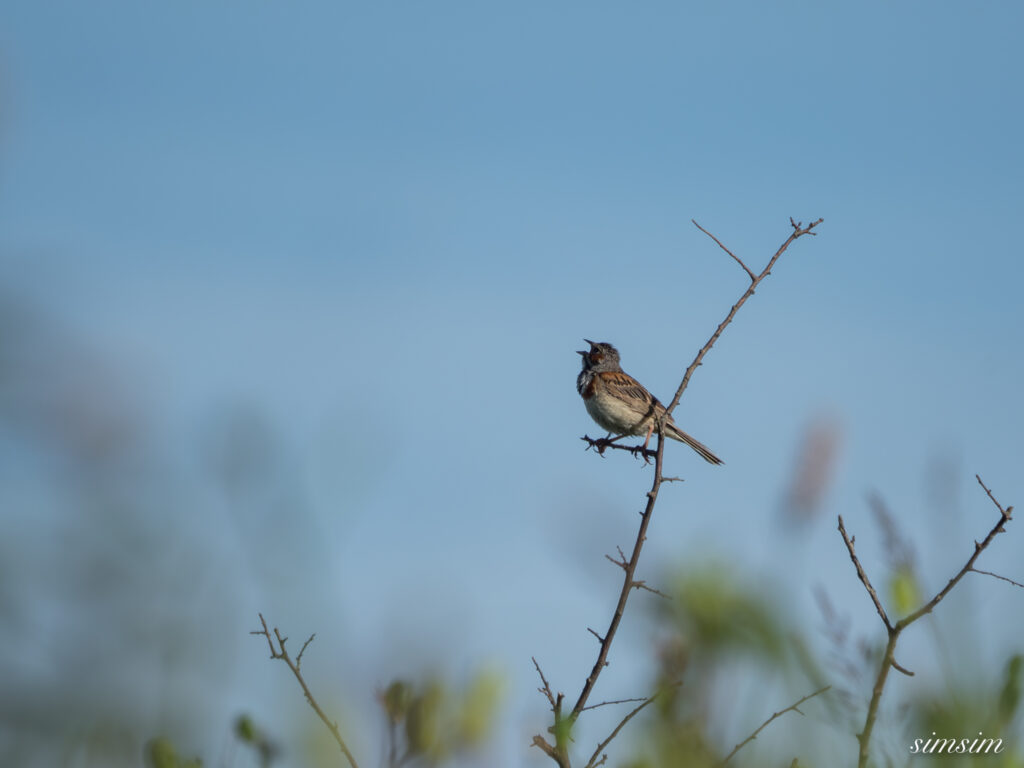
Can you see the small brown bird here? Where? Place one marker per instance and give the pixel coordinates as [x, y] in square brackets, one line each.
[620, 404]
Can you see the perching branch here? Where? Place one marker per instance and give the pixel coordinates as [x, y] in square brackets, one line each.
[894, 630]
[628, 584]
[559, 751]
[601, 444]
[780, 713]
[280, 653]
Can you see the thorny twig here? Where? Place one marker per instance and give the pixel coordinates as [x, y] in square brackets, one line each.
[894, 629]
[281, 653]
[594, 762]
[780, 713]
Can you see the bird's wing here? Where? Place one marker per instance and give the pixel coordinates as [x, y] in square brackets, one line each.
[630, 391]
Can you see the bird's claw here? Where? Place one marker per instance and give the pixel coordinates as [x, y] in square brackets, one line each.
[599, 445]
[642, 450]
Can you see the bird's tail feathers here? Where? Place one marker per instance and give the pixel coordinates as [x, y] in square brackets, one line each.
[677, 434]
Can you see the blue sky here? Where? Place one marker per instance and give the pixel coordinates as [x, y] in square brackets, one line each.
[381, 231]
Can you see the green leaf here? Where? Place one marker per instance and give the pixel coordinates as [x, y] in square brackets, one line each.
[904, 594]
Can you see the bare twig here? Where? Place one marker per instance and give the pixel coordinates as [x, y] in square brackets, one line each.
[619, 701]
[997, 576]
[600, 444]
[978, 549]
[894, 630]
[746, 269]
[546, 690]
[305, 645]
[558, 751]
[766, 723]
[281, 653]
[594, 762]
[641, 584]
[622, 562]
[863, 576]
[900, 668]
[540, 742]
[1005, 512]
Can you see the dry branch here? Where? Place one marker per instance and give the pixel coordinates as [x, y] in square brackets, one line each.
[894, 630]
[780, 713]
[281, 653]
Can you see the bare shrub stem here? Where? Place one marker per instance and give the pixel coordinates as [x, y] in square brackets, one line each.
[894, 629]
[281, 653]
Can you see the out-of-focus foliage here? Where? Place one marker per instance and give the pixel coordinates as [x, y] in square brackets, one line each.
[431, 723]
[713, 627]
[716, 616]
[248, 733]
[160, 753]
[904, 592]
[93, 552]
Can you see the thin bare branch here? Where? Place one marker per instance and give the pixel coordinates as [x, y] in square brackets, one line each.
[739, 261]
[266, 633]
[594, 762]
[550, 751]
[627, 584]
[798, 231]
[894, 630]
[641, 584]
[619, 701]
[1006, 513]
[791, 708]
[546, 690]
[864, 577]
[997, 576]
[901, 669]
[601, 444]
[281, 653]
[623, 563]
[1004, 517]
[305, 645]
